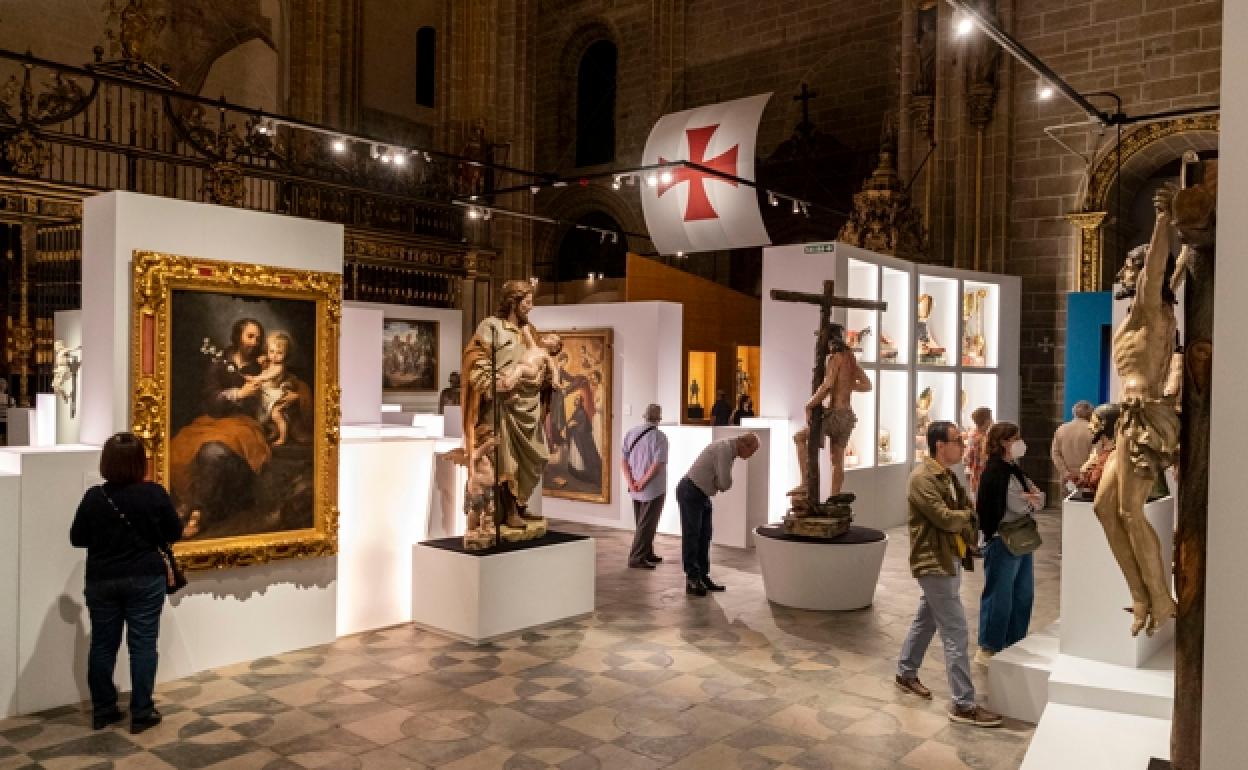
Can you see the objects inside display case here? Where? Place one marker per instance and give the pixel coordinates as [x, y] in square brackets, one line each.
[885, 446]
[930, 349]
[922, 419]
[974, 339]
[700, 387]
[895, 324]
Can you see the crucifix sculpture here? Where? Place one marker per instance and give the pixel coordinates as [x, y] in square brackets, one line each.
[826, 339]
[804, 97]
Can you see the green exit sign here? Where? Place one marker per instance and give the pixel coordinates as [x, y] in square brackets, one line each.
[821, 248]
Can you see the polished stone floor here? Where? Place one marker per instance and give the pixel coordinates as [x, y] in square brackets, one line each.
[653, 679]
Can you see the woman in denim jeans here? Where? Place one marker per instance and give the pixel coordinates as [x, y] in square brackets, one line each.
[120, 524]
[1005, 494]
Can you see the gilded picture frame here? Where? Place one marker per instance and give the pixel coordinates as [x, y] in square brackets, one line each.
[578, 422]
[172, 296]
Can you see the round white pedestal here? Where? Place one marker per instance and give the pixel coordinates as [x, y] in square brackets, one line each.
[811, 575]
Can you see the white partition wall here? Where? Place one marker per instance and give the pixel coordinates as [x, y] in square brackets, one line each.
[646, 369]
[359, 364]
[223, 616]
[450, 350]
[116, 224]
[884, 442]
[10, 499]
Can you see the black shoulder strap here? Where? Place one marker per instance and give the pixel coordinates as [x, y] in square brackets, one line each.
[122, 516]
[637, 440]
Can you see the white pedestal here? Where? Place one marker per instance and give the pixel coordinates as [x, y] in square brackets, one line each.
[820, 576]
[21, 422]
[477, 599]
[1094, 591]
[383, 496]
[737, 511]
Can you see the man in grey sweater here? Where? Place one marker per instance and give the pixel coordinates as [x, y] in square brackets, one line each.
[710, 474]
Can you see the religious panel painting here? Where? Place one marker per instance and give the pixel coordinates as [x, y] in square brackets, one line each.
[578, 422]
[235, 374]
[409, 355]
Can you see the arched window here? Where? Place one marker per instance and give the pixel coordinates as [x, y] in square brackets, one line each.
[426, 65]
[595, 105]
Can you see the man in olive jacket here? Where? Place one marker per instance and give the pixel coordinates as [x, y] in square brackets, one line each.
[942, 537]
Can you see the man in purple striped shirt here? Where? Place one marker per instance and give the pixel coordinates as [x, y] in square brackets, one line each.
[644, 463]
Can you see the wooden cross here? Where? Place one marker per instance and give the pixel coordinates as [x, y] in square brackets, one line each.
[826, 301]
[804, 97]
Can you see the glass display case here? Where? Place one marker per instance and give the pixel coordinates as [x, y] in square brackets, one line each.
[894, 346]
[936, 321]
[980, 311]
[700, 385]
[747, 374]
[862, 327]
[894, 417]
[861, 440]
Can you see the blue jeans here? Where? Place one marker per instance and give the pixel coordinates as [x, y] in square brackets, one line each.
[1009, 588]
[134, 602]
[695, 529]
[940, 607]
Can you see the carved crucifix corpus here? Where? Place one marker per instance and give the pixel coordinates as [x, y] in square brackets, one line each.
[826, 301]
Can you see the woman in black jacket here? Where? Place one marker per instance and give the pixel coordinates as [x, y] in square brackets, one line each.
[120, 523]
[1005, 494]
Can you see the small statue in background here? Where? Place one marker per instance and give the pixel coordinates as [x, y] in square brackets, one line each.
[857, 338]
[66, 362]
[1103, 426]
[885, 447]
[479, 501]
[974, 344]
[922, 419]
[930, 350]
[451, 394]
[888, 348]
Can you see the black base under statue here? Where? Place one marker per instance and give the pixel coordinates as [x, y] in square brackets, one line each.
[456, 544]
[852, 536]
[1158, 764]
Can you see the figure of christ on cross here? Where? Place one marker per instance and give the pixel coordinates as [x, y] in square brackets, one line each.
[836, 374]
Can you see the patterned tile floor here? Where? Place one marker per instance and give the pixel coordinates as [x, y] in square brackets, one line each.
[653, 679]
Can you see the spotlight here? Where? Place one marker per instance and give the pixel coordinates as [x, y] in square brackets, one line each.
[474, 212]
[1044, 91]
[339, 146]
[772, 199]
[963, 25]
[665, 177]
[486, 214]
[602, 236]
[589, 276]
[797, 207]
[472, 197]
[615, 183]
[600, 276]
[533, 279]
[428, 158]
[400, 158]
[806, 210]
[385, 157]
[652, 180]
[680, 255]
[374, 151]
[535, 189]
[615, 237]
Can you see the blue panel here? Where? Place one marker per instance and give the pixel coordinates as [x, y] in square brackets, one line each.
[1089, 316]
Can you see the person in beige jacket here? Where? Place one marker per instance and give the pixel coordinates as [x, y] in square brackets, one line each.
[942, 539]
[1072, 443]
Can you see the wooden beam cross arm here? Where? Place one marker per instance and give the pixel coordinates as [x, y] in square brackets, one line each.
[826, 300]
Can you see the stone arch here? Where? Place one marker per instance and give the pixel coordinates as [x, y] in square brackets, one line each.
[578, 43]
[571, 205]
[1145, 150]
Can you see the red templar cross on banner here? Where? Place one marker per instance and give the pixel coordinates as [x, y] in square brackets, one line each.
[699, 205]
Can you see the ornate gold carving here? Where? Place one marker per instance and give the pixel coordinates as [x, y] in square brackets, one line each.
[156, 276]
[135, 25]
[225, 184]
[1102, 175]
[882, 219]
[25, 153]
[1089, 224]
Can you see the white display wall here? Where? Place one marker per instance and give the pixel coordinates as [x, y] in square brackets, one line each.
[645, 370]
[1224, 742]
[877, 477]
[359, 365]
[225, 616]
[450, 350]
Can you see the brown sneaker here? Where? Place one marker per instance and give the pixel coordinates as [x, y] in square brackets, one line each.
[913, 686]
[974, 716]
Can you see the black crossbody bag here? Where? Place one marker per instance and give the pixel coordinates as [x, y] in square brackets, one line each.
[175, 580]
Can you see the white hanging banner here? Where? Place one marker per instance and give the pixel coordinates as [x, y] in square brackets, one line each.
[694, 210]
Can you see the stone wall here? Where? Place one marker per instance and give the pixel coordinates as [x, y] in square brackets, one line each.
[1156, 55]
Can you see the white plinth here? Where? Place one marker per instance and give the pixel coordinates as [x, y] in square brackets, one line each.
[477, 599]
[820, 576]
[1094, 591]
[1071, 737]
[1018, 676]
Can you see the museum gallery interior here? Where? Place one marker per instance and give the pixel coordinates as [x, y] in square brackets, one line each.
[526, 384]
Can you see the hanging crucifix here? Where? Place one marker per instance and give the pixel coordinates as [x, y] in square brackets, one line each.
[836, 376]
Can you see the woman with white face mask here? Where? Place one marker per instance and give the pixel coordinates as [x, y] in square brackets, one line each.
[1005, 503]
